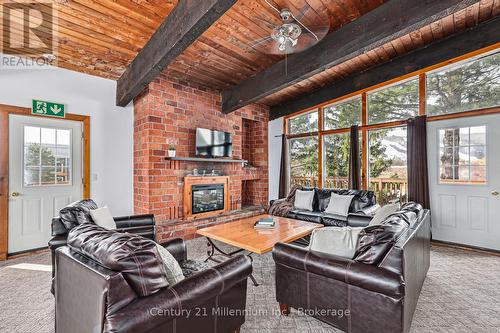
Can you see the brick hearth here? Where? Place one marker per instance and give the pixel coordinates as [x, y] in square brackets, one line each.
[168, 112]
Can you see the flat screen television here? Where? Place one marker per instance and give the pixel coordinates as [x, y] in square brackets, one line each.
[213, 143]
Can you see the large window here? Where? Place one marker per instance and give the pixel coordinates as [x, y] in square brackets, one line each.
[47, 156]
[387, 169]
[336, 160]
[343, 114]
[396, 102]
[304, 123]
[462, 157]
[465, 87]
[304, 161]
[382, 113]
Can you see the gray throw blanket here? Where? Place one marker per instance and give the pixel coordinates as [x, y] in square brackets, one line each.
[282, 207]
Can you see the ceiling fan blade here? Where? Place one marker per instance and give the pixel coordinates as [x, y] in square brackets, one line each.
[268, 24]
[319, 28]
[303, 11]
[319, 31]
[309, 38]
[261, 41]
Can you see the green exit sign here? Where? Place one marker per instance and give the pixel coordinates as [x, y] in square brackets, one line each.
[50, 109]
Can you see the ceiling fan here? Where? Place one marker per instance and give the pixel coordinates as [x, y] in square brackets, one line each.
[292, 35]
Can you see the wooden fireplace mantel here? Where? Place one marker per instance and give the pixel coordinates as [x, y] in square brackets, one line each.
[205, 159]
[189, 181]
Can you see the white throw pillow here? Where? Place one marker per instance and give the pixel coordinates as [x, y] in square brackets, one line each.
[304, 200]
[102, 217]
[339, 204]
[382, 213]
[339, 241]
[172, 268]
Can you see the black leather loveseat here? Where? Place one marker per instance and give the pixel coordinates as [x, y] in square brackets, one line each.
[379, 287]
[362, 203]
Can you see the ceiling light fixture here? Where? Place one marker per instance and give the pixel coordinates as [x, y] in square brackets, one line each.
[291, 35]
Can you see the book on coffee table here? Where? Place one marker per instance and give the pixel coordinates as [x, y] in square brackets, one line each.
[265, 223]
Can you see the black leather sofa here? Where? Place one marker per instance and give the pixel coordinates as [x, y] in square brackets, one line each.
[362, 202]
[101, 287]
[78, 213]
[379, 287]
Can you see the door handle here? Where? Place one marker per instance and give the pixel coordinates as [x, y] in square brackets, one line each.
[495, 193]
[15, 194]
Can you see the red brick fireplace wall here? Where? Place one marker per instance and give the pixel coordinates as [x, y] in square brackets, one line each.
[167, 113]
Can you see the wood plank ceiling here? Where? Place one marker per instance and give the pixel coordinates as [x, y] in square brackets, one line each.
[459, 21]
[102, 37]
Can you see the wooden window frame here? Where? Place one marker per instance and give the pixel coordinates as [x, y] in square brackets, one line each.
[421, 75]
[5, 112]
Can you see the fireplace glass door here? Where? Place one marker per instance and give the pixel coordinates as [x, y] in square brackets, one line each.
[207, 198]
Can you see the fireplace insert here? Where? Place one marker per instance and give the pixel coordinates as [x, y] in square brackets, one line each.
[207, 198]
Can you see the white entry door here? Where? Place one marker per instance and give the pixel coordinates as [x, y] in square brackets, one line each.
[464, 167]
[45, 174]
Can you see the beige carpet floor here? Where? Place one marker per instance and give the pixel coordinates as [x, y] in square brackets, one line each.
[461, 294]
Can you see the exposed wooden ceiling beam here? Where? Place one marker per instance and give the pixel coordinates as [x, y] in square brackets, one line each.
[393, 19]
[187, 21]
[478, 37]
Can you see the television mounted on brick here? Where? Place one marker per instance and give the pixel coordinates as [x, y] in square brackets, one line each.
[210, 143]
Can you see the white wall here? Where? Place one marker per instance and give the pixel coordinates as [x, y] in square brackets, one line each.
[111, 127]
[275, 128]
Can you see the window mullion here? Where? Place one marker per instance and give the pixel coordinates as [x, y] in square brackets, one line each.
[364, 142]
[320, 147]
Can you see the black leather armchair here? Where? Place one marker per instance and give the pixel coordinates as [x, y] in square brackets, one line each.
[92, 298]
[143, 225]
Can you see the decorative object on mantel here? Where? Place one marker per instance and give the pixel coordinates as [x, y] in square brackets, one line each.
[171, 151]
[205, 173]
[247, 165]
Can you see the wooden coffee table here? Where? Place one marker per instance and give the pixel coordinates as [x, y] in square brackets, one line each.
[242, 234]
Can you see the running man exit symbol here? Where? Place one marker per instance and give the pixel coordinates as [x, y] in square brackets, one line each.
[50, 109]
